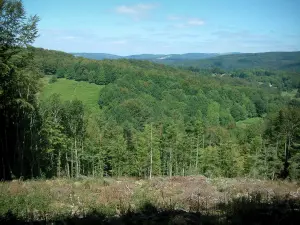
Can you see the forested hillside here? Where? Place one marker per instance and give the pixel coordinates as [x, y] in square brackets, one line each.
[285, 61]
[152, 120]
[160, 120]
[106, 71]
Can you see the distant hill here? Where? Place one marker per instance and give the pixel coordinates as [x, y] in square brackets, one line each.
[98, 56]
[163, 58]
[289, 61]
[145, 56]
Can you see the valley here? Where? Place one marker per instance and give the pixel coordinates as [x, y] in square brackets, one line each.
[154, 138]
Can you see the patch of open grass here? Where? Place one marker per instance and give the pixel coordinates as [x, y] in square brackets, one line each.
[70, 89]
[290, 94]
[250, 121]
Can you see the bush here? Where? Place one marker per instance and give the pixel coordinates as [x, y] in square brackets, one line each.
[53, 79]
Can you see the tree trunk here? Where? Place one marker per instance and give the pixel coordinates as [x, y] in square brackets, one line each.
[170, 163]
[68, 167]
[93, 167]
[76, 158]
[58, 164]
[197, 155]
[151, 155]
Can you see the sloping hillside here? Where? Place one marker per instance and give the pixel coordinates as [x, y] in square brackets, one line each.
[162, 58]
[289, 61]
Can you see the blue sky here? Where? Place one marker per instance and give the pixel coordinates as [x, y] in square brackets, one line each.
[167, 26]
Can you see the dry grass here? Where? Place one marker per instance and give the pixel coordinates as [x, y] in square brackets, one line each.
[61, 198]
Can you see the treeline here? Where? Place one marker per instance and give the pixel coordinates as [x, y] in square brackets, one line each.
[102, 72]
[163, 121]
[77, 143]
[154, 119]
[276, 61]
[282, 80]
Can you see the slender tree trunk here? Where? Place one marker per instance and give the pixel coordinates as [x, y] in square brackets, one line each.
[71, 164]
[58, 164]
[6, 164]
[52, 163]
[31, 146]
[93, 167]
[197, 155]
[100, 167]
[3, 167]
[76, 158]
[38, 161]
[285, 152]
[176, 165]
[266, 164]
[170, 163]
[23, 149]
[67, 165]
[18, 150]
[151, 155]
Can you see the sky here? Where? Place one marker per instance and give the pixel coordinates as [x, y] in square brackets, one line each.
[168, 26]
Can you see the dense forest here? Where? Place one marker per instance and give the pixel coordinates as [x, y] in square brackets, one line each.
[152, 119]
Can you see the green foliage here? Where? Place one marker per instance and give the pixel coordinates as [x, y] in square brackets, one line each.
[53, 79]
[19, 83]
[238, 112]
[230, 160]
[298, 93]
[209, 162]
[295, 166]
[213, 115]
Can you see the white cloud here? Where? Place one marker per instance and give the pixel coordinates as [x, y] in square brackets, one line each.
[195, 22]
[135, 11]
[119, 42]
[174, 17]
[68, 37]
[184, 22]
[123, 9]
[146, 6]
[180, 25]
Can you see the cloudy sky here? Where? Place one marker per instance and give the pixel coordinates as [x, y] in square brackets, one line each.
[167, 26]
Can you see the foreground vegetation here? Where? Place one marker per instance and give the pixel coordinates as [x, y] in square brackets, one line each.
[176, 200]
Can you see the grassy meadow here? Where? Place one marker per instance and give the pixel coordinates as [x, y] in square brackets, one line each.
[86, 92]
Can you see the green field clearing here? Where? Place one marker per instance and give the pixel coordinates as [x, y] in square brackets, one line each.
[290, 94]
[250, 121]
[70, 89]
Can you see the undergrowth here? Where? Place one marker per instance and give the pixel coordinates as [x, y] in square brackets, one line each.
[173, 200]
